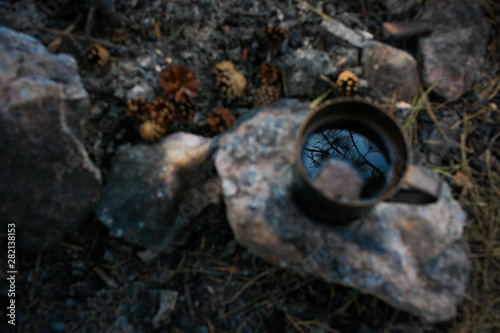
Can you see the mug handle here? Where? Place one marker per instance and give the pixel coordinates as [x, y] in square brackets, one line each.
[418, 187]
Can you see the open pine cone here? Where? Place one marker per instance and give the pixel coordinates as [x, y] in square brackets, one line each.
[179, 82]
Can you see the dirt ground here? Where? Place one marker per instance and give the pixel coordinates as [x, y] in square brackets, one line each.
[92, 282]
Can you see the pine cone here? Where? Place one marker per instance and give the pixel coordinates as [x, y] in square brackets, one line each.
[151, 131]
[347, 83]
[268, 73]
[266, 95]
[229, 81]
[179, 82]
[274, 36]
[137, 107]
[220, 119]
[97, 55]
[223, 66]
[185, 111]
[161, 111]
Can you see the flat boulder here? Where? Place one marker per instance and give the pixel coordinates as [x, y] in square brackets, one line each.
[411, 256]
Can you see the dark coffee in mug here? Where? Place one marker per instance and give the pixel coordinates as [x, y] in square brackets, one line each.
[351, 155]
[360, 146]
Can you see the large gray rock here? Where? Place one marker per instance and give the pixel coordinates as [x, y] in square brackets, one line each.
[454, 51]
[388, 69]
[409, 256]
[155, 192]
[48, 185]
[452, 37]
[302, 70]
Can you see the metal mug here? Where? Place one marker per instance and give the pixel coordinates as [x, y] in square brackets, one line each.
[372, 143]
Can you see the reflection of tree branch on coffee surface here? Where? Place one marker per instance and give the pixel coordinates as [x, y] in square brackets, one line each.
[327, 144]
[370, 148]
[351, 147]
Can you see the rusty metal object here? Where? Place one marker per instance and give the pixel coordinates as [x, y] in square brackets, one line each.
[372, 141]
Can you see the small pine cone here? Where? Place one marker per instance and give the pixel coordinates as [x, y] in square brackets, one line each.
[265, 95]
[274, 36]
[137, 107]
[161, 111]
[231, 84]
[268, 73]
[223, 66]
[151, 131]
[185, 111]
[347, 83]
[220, 119]
[97, 55]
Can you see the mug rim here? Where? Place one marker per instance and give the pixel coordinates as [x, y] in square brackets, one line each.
[392, 189]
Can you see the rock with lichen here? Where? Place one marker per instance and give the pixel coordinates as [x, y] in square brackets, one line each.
[48, 184]
[411, 256]
[454, 51]
[452, 37]
[390, 70]
[302, 70]
[155, 192]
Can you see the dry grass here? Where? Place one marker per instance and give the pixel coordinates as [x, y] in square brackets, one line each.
[478, 190]
[480, 195]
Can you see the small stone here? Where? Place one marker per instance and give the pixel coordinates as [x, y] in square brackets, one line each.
[338, 181]
[402, 110]
[454, 51]
[333, 30]
[142, 90]
[389, 69]
[302, 70]
[168, 301]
